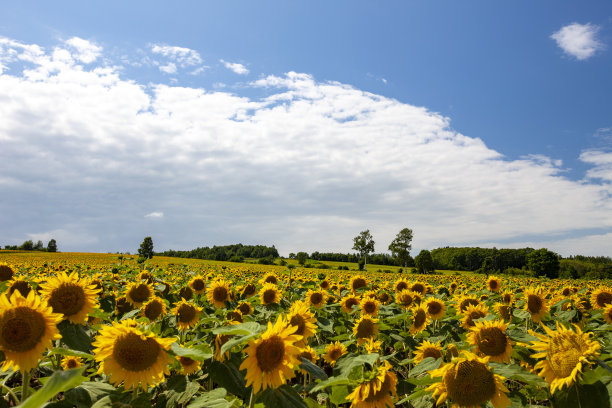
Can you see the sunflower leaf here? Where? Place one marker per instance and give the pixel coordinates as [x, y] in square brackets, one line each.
[239, 329]
[229, 377]
[212, 399]
[426, 365]
[313, 369]
[75, 336]
[60, 381]
[582, 395]
[282, 397]
[193, 353]
[518, 373]
[69, 352]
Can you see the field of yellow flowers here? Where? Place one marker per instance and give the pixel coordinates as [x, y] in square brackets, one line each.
[102, 330]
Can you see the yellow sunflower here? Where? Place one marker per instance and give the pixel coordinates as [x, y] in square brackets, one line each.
[385, 298]
[473, 313]
[494, 284]
[436, 308]
[468, 382]
[358, 282]
[348, 302]
[405, 298]
[302, 317]
[273, 357]
[28, 327]
[269, 294]
[138, 293]
[220, 340]
[187, 314]
[372, 345]
[70, 296]
[269, 278]
[129, 355]
[316, 298]
[197, 284]
[464, 301]
[400, 284]
[6, 272]
[186, 293]
[535, 303]
[245, 308]
[218, 293]
[504, 311]
[607, 314]
[309, 354]
[19, 284]
[420, 319]
[419, 287]
[188, 365]
[377, 391]
[601, 298]
[333, 352]
[366, 327]
[489, 338]
[248, 290]
[427, 349]
[370, 306]
[70, 362]
[507, 297]
[154, 308]
[565, 352]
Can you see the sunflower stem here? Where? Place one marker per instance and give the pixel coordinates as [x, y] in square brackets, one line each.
[578, 395]
[11, 393]
[135, 393]
[252, 399]
[24, 385]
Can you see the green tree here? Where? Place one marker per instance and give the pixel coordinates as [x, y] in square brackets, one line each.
[52, 246]
[301, 257]
[424, 262]
[364, 244]
[400, 247]
[544, 263]
[146, 248]
[27, 245]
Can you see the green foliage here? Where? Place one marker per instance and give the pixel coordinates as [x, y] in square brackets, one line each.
[424, 262]
[146, 248]
[402, 244]
[52, 246]
[232, 253]
[60, 381]
[301, 257]
[544, 263]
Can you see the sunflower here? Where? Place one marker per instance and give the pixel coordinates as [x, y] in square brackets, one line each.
[269, 294]
[473, 313]
[372, 345]
[377, 391]
[607, 314]
[188, 365]
[507, 297]
[309, 354]
[420, 320]
[535, 303]
[494, 284]
[220, 340]
[187, 314]
[358, 282]
[305, 321]
[316, 298]
[504, 311]
[19, 284]
[333, 352]
[427, 349]
[464, 301]
[198, 285]
[273, 357]
[348, 302]
[28, 327]
[70, 296]
[245, 308]
[385, 298]
[218, 293]
[70, 362]
[6, 272]
[123, 306]
[601, 298]
[186, 293]
[366, 327]
[370, 306]
[565, 351]
[451, 352]
[269, 278]
[436, 308]
[128, 354]
[154, 308]
[146, 276]
[468, 382]
[400, 284]
[419, 287]
[489, 338]
[405, 298]
[248, 290]
[138, 293]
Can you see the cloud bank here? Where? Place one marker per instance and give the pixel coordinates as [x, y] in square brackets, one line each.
[306, 165]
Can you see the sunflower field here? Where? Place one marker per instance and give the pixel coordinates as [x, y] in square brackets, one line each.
[101, 330]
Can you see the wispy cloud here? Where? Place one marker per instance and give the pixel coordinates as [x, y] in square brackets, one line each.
[87, 51]
[235, 67]
[578, 40]
[181, 55]
[155, 214]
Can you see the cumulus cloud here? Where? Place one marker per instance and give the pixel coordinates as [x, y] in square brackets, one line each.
[235, 67]
[578, 40]
[181, 55]
[306, 166]
[86, 51]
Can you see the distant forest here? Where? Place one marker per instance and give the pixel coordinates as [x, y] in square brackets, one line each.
[232, 253]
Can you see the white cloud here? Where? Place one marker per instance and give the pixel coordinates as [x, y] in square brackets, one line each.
[170, 68]
[87, 52]
[578, 40]
[155, 214]
[602, 162]
[235, 67]
[305, 168]
[183, 56]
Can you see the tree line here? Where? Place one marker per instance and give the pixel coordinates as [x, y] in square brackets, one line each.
[29, 245]
[232, 253]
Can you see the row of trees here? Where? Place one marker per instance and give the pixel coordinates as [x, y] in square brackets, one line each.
[29, 245]
[233, 253]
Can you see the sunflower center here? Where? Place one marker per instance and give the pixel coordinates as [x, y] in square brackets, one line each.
[153, 310]
[186, 293]
[434, 308]
[365, 329]
[432, 352]
[504, 311]
[418, 287]
[507, 298]
[316, 298]
[350, 302]
[335, 354]
[384, 297]
[186, 361]
[475, 315]
[249, 290]
[269, 296]
[604, 298]
[419, 318]
[270, 353]
[21, 329]
[358, 283]
[564, 354]
[406, 299]
[383, 392]
[467, 302]
[401, 286]
[140, 293]
[271, 279]
[220, 294]
[72, 363]
[534, 304]
[298, 320]
[470, 383]
[369, 307]
[244, 308]
[22, 286]
[186, 313]
[198, 284]
[492, 341]
[6, 273]
[135, 354]
[493, 285]
[68, 299]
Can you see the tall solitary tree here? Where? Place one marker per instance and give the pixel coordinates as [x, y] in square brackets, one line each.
[364, 244]
[52, 246]
[400, 247]
[146, 248]
[424, 262]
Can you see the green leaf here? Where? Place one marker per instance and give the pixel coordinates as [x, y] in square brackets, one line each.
[521, 336]
[518, 373]
[582, 395]
[78, 397]
[60, 381]
[194, 353]
[428, 364]
[346, 364]
[313, 369]
[131, 314]
[229, 377]
[75, 336]
[69, 352]
[236, 341]
[592, 376]
[339, 394]
[282, 397]
[239, 329]
[521, 314]
[325, 325]
[212, 399]
[97, 389]
[312, 403]
[330, 382]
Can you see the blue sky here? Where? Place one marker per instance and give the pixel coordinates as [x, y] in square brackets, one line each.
[474, 123]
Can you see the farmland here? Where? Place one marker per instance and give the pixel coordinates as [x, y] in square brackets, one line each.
[80, 329]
